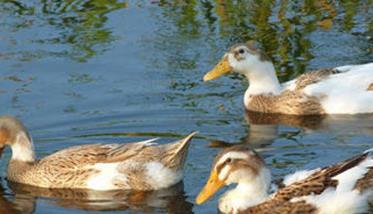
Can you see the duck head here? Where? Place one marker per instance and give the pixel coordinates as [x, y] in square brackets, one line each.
[240, 165]
[252, 63]
[241, 58]
[14, 134]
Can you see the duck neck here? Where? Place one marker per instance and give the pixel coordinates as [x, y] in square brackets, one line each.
[262, 79]
[248, 192]
[23, 148]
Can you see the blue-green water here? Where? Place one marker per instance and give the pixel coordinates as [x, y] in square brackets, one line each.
[79, 72]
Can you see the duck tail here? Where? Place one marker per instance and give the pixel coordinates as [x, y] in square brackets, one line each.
[176, 155]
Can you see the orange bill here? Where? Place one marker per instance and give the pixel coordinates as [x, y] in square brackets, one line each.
[211, 187]
[220, 69]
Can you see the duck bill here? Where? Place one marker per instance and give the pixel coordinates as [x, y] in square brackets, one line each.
[211, 187]
[220, 69]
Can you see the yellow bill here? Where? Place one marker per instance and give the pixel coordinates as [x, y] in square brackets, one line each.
[220, 69]
[211, 187]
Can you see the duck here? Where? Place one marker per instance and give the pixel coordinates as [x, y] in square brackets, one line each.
[339, 90]
[142, 166]
[345, 187]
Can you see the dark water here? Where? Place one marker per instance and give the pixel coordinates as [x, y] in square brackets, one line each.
[80, 72]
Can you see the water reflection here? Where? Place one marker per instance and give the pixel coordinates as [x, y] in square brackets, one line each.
[15, 204]
[77, 25]
[264, 128]
[283, 28]
[360, 124]
[170, 200]
[299, 121]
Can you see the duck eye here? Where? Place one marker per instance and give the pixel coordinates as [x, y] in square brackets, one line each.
[241, 51]
[229, 160]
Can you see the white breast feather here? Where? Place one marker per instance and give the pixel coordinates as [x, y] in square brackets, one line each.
[159, 176]
[104, 180]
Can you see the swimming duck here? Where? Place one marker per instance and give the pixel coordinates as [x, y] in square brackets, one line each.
[135, 166]
[341, 188]
[340, 90]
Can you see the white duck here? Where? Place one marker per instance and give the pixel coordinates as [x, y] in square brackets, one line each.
[340, 90]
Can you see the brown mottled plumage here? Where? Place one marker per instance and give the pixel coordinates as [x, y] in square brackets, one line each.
[293, 102]
[75, 167]
[313, 77]
[288, 102]
[281, 207]
[234, 161]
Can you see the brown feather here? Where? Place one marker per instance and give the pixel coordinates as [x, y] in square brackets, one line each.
[370, 87]
[288, 102]
[281, 207]
[314, 184]
[312, 77]
[293, 102]
[72, 167]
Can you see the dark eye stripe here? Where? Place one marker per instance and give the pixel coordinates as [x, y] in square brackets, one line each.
[221, 166]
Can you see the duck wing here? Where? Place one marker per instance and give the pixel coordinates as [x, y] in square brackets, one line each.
[96, 153]
[347, 176]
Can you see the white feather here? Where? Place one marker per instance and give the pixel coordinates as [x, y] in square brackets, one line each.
[232, 155]
[347, 179]
[333, 202]
[104, 180]
[251, 190]
[290, 85]
[344, 199]
[298, 176]
[161, 176]
[345, 93]
[368, 150]
[23, 148]
[149, 142]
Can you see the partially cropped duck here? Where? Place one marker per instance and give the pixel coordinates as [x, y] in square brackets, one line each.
[342, 188]
[340, 90]
[135, 166]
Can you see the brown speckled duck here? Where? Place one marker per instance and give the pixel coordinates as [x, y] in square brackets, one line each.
[136, 166]
[340, 90]
[342, 188]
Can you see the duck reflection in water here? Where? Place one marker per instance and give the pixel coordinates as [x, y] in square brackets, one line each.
[264, 128]
[15, 204]
[170, 200]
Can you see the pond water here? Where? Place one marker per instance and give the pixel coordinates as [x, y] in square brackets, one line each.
[79, 72]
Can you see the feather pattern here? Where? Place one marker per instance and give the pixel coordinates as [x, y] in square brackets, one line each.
[350, 181]
[97, 166]
[340, 90]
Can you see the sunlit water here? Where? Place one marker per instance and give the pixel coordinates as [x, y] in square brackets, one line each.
[83, 72]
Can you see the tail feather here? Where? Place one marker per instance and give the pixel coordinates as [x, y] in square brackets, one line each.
[177, 152]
